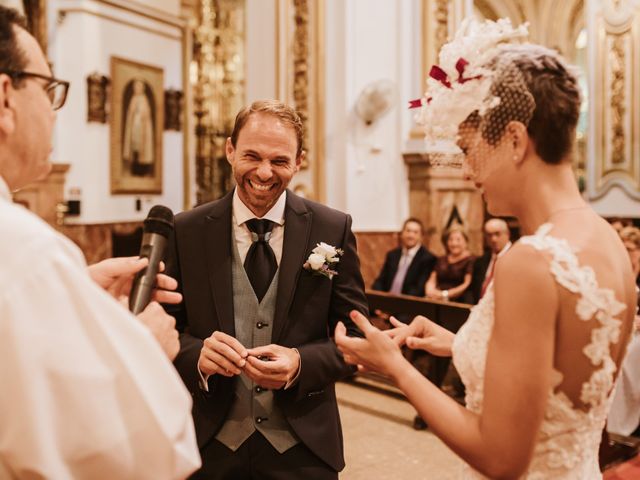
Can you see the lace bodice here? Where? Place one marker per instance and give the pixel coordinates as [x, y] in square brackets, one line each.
[568, 440]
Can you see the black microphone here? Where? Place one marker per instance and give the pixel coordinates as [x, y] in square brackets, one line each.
[157, 227]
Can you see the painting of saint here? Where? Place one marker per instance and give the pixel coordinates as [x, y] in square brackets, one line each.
[138, 139]
[137, 121]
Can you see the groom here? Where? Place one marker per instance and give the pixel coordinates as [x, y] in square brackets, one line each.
[257, 317]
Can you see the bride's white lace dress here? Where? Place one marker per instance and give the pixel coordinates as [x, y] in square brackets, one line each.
[568, 440]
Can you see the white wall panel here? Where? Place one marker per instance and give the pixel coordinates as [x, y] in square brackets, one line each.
[83, 43]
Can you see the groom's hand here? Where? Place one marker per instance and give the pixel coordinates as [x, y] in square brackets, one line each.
[222, 354]
[272, 366]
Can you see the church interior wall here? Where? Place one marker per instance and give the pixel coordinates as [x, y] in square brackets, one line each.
[83, 36]
[172, 7]
[363, 43]
[369, 41]
[261, 39]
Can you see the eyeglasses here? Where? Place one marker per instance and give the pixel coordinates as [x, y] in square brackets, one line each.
[55, 89]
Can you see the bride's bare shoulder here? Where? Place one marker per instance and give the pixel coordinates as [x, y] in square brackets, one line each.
[525, 269]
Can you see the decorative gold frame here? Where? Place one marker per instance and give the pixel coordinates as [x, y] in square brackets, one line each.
[123, 74]
[36, 13]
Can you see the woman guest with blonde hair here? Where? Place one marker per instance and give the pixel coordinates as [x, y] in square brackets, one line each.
[452, 274]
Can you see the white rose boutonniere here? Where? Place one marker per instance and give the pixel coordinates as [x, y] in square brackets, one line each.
[323, 259]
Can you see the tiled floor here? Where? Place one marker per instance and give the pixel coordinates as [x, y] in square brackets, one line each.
[381, 444]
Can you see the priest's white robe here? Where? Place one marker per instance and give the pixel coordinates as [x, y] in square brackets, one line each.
[85, 390]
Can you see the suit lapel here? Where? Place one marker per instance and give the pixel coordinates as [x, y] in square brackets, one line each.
[297, 228]
[218, 252]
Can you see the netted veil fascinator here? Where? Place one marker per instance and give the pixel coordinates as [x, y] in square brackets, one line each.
[476, 85]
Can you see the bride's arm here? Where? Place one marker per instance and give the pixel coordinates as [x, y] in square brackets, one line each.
[499, 443]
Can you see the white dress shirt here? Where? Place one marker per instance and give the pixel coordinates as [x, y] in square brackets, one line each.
[403, 267]
[242, 234]
[408, 255]
[86, 392]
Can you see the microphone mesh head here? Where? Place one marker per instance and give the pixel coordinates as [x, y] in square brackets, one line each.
[159, 220]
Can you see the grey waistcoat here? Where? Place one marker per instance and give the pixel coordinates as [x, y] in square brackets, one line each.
[253, 407]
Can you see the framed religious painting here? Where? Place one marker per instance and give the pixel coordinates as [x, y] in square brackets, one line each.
[137, 123]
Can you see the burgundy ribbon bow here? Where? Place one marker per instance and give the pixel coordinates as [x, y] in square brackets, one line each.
[441, 76]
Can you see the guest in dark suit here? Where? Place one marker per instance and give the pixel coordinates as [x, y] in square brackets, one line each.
[261, 299]
[407, 268]
[497, 237]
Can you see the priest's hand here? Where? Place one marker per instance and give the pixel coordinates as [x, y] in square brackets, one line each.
[163, 328]
[273, 366]
[115, 275]
[221, 354]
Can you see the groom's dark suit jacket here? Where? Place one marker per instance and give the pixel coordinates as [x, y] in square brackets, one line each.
[307, 309]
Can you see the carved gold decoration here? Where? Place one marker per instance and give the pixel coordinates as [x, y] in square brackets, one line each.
[173, 109]
[36, 13]
[219, 91]
[301, 80]
[435, 32]
[617, 58]
[97, 88]
[442, 21]
[301, 68]
[615, 126]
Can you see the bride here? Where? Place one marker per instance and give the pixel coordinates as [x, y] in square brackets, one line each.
[539, 354]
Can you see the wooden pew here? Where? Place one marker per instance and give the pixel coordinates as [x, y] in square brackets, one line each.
[450, 315]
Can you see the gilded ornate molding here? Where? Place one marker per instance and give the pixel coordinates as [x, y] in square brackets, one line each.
[618, 81]
[36, 13]
[435, 31]
[219, 91]
[442, 23]
[300, 81]
[97, 94]
[301, 67]
[614, 156]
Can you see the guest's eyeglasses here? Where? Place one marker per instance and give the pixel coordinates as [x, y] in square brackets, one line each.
[55, 89]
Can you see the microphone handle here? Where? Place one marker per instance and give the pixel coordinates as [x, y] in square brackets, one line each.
[153, 246]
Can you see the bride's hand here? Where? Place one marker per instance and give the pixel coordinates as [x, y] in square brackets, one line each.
[376, 352]
[422, 334]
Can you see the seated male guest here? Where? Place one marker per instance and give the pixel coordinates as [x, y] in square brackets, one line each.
[406, 268]
[497, 237]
